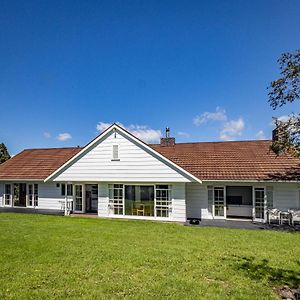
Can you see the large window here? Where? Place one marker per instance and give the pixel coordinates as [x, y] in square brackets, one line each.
[116, 198]
[139, 200]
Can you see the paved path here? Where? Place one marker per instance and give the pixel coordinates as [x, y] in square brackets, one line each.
[241, 224]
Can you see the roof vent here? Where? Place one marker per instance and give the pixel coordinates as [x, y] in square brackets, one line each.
[167, 141]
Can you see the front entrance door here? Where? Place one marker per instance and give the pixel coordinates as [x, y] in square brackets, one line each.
[91, 196]
[259, 201]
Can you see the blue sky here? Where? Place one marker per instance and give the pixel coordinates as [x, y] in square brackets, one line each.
[199, 67]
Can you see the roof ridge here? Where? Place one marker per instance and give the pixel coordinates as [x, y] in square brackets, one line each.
[50, 148]
[219, 142]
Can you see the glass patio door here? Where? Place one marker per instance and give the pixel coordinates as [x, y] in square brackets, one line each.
[259, 204]
[78, 198]
[32, 195]
[219, 206]
[7, 195]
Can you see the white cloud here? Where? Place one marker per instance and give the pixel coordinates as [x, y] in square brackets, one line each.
[47, 135]
[232, 129]
[183, 134]
[260, 135]
[101, 126]
[143, 132]
[283, 118]
[218, 115]
[64, 136]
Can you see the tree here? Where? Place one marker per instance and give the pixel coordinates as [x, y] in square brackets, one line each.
[285, 90]
[4, 155]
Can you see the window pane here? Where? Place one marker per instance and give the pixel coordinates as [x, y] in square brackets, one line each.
[116, 198]
[219, 201]
[139, 200]
[163, 201]
[63, 189]
[115, 151]
[7, 189]
[69, 189]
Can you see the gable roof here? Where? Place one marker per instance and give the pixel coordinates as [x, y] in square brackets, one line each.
[35, 164]
[240, 161]
[115, 127]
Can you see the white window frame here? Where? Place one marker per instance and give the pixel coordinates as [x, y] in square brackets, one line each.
[213, 206]
[168, 203]
[8, 196]
[117, 157]
[264, 204]
[32, 197]
[75, 198]
[66, 187]
[116, 202]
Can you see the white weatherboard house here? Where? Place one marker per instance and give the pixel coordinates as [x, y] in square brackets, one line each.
[118, 176]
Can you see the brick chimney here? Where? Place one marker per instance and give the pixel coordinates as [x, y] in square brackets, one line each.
[167, 141]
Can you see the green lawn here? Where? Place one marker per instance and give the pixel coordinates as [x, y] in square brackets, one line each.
[51, 257]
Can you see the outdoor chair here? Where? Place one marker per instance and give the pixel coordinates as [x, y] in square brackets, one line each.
[295, 216]
[141, 210]
[274, 214]
[285, 216]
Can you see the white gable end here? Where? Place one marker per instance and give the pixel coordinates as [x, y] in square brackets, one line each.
[135, 163]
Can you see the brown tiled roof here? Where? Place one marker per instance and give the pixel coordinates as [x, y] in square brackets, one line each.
[245, 160]
[36, 163]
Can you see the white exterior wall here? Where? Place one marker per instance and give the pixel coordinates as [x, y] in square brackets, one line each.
[50, 196]
[286, 196]
[136, 164]
[103, 210]
[1, 194]
[178, 202]
[197, 201]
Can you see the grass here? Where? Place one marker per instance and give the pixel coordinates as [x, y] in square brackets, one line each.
[51, 257]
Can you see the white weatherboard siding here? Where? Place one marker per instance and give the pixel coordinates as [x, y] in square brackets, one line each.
[135, 164]
[178, 203]
[1, 194]
[49, 196]
[103, 210]
[197, 201]
[286, 196]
